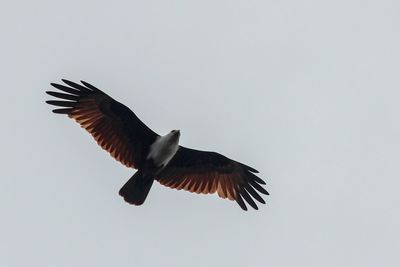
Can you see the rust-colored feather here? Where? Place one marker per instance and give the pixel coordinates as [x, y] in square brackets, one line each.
[208, 173]
[91, 108]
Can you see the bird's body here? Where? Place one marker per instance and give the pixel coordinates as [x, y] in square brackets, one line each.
[120, 132]
[164, 148]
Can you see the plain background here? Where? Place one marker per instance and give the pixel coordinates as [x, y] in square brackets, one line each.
[307, 92]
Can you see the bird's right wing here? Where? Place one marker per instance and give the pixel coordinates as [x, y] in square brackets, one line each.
[208, 172]
[114, 126]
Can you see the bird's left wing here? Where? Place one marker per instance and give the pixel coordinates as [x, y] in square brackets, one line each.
[114, 126]
[209, 172]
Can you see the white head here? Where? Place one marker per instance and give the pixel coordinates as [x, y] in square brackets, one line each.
[173, 136]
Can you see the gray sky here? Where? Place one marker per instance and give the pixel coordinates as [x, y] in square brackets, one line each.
[307, 92]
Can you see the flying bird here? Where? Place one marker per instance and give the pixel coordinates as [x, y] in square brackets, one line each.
[120, 132]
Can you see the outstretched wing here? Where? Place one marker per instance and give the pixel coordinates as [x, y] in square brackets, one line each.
[114, 126]
[210, 172]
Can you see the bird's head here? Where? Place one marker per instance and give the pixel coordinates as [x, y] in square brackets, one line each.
[174, 135]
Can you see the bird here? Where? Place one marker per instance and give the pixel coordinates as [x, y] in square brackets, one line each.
[118, 130]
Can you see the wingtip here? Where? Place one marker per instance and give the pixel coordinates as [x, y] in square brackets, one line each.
[62, 110]
[253, 170]
[261, 181]
[240, 202]
[90, 86]
[250, 168]
[256, 178]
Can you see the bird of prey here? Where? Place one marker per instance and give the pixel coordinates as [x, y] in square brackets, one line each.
[120, 132]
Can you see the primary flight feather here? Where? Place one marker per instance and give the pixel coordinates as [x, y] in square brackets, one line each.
[120, 132]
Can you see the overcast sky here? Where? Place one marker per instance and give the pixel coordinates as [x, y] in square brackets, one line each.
[307, 92]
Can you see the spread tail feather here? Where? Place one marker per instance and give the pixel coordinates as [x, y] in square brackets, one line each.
[136, 189]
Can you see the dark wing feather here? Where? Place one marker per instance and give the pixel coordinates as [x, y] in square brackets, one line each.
[114, 126]
[209, 172]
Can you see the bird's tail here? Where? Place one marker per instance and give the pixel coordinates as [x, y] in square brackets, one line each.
[136, 189]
